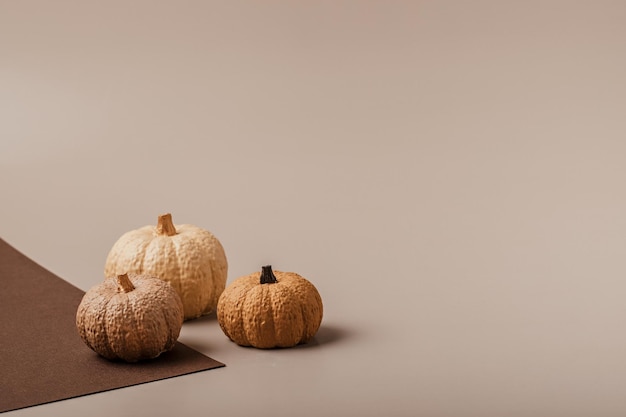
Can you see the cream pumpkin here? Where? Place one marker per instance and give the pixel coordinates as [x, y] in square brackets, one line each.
[188, 257]
[130, 318]
[270, 309]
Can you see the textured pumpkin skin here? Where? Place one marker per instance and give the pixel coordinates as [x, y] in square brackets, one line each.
[281, 314]
[131, 326]
[193, 261]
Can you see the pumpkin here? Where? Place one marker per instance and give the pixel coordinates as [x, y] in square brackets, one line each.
[190, 258]
[270, 309]
[130, 317]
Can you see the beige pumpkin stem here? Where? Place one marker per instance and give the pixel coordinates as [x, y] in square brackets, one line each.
[124, 284]
[165, 225]
[267, 276]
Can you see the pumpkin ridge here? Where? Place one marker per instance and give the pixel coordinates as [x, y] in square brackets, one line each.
[157, 249]
[170, 336]
[159, 322]
[143, 244]
[118, 346]
[136, 316]
[83, 318]
[291, 287]
[133, 326]
[311, 298]
[236, 296]
[215, 270]
[244, 328]
[204, 280]
[269, 315]
[297, 320]
[107, 342]
[132, 314]
[305, 328]
[181, 288]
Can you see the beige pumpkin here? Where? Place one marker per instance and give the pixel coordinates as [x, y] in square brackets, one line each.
[190, 258]
[130, 318]
[270, 309]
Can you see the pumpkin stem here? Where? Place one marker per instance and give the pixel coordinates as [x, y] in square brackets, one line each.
[267, 276]
[124, 284]
[165, 225]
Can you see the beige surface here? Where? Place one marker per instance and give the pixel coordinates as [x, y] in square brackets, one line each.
[450, 175]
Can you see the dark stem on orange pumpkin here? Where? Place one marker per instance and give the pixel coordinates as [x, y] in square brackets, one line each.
[165, 225]
[124, 284]
[267, 276]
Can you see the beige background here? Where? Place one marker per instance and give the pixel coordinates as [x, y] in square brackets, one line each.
[450, 175]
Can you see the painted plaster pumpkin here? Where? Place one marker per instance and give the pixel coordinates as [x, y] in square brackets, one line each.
[270, 309]
[131, 318]
[190, 258]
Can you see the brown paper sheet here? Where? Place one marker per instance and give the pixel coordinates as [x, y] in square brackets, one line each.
[43, 359]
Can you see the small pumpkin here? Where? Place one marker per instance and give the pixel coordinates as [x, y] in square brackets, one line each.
[190, 258]
[270, 309]
[130, 318]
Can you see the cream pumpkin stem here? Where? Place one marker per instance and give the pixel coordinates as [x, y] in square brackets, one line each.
[165, 225]
[124, 284]
[267, 276]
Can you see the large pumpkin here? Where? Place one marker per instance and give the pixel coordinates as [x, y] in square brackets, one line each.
[270, 309]
[130, 318]
[190, 258]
